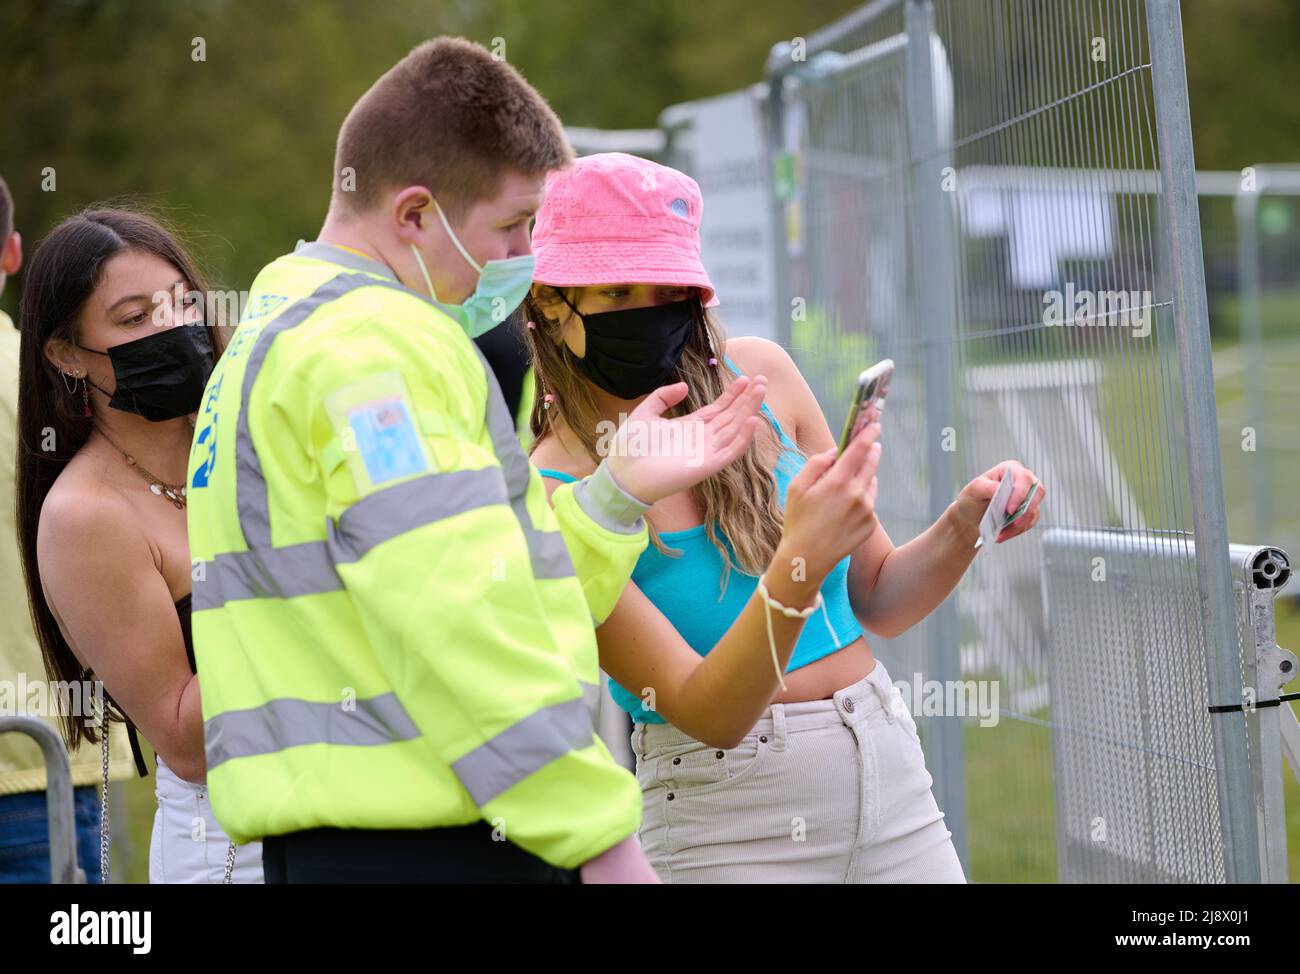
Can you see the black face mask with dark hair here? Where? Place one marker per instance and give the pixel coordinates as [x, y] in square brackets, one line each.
[161, 376]
[633, 351]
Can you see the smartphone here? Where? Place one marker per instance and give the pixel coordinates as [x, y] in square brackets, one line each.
[868, 401]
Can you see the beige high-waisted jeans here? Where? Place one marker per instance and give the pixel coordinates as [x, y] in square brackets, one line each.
[827, 791]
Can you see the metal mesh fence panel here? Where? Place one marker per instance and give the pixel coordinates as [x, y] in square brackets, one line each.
[995, 194]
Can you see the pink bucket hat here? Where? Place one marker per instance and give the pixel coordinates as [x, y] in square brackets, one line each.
[613, 218]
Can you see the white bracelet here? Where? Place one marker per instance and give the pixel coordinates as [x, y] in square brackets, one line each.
[789, 613]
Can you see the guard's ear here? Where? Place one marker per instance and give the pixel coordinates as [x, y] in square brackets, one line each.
[409, 208]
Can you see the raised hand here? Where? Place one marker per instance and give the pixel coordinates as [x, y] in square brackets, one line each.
[652, 457]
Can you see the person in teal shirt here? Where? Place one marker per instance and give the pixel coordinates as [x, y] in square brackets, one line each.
[771, 745]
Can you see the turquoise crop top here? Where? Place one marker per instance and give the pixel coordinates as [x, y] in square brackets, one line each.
[686, 589]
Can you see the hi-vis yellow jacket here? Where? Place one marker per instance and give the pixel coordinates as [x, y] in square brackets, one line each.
[389, 628]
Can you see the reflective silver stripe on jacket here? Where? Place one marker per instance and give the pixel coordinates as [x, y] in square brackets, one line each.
[493, 767]
[523, 749]
[286, 723]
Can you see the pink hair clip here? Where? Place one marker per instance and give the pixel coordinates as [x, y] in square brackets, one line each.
[532, 325]
[712, 360]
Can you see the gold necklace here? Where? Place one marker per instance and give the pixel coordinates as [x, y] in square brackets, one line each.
[173, 492]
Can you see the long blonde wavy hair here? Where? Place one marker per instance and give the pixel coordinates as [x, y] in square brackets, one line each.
[742, 514]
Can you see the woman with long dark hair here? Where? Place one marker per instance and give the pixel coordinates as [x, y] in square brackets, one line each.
[115, 355]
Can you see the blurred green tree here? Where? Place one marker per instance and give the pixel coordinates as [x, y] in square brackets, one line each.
[236, 147]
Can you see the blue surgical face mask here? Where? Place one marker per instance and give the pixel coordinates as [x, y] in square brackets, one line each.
[502, 285]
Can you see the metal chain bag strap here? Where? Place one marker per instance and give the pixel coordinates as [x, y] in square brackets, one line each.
[104, 856]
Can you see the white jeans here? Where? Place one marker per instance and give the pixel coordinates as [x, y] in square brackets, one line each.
[188, 846]
[827, 791]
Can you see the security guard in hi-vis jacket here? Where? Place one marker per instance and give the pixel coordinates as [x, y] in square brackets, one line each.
[393, 626]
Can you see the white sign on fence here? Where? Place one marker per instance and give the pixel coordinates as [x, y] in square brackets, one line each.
[730, 154]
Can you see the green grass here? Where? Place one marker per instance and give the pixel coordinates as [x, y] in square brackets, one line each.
[1009, 767]
[1277, 317]
[1009, 803]
[1009, 790]
[1278, 458]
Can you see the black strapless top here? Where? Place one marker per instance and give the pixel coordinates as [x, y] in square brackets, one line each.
[183, 614]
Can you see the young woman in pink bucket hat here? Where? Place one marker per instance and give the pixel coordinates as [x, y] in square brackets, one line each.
[770, 746]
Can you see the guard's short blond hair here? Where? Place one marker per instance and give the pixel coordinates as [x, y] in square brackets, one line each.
[449, 116]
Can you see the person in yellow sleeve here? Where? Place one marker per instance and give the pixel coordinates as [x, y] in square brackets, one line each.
[24, 826]
[395, 629]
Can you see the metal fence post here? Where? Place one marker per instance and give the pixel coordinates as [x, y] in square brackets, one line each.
[932, 258]
[58, 797]
[775, 115]
[1191, 322]
[1245, 208]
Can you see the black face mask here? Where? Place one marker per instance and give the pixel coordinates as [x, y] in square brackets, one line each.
[634, 351]
[161, 376]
